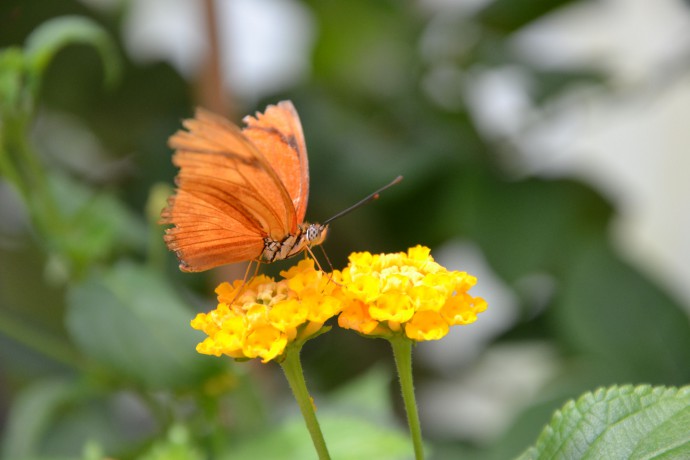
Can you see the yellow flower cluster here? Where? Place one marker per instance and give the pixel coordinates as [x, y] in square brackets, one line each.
[262, 317]
[380, 295]
[388, 294]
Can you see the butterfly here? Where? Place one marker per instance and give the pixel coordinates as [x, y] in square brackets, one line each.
[242, 192]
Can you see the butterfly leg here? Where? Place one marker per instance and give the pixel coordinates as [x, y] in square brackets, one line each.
[325, 255]
[316, 261]
[246, 279]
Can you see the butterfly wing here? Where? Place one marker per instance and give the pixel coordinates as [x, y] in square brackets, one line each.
[277, 133]
[228, 197]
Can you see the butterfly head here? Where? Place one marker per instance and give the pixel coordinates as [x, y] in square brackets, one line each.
[315, 234]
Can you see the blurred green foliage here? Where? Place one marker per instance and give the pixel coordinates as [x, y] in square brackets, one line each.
[95, 350]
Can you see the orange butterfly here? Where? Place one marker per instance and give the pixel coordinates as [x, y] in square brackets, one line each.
[242, 193]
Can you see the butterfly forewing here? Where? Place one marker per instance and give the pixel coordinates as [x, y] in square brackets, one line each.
[229, 197]
[232, 158]
[277, 133]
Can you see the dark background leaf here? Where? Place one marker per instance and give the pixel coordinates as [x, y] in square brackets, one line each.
[130, 320]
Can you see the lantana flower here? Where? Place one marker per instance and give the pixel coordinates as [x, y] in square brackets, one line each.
[260, 318]
[405, 293]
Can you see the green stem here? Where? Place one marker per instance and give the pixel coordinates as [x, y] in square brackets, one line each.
[292, 367]
[402, 351]
[7, 169]
[48, 216]
[30, 175]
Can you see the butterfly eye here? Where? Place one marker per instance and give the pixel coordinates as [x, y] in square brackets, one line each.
[313, 232]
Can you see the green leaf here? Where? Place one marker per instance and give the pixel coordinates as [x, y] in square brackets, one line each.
[177, 445]
[626, 422]
[364, 47]
[98, 225]
[551, 84]
[624, 324]
[53, 35]
[509, 15]
[130, 320]
[529, 226]
[58, 418]
[348, 438]
[367, 395]
[31, 415]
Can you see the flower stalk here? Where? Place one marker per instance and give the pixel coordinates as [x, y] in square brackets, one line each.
[402, 352]
[292, 368]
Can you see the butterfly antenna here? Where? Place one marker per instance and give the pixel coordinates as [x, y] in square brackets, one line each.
[372, 197]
